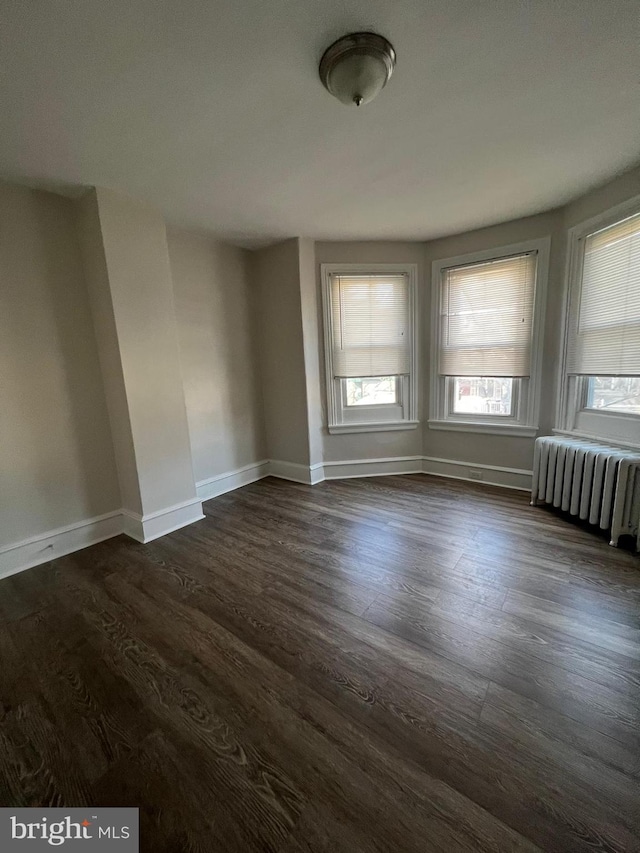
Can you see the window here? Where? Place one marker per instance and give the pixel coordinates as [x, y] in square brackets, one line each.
[370, 346]
[601, 378]
[614, 394]
[483, 395]
[371, 391]
[487, 316]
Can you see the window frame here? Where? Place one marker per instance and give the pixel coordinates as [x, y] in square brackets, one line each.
[386, 416]
[527, 406]
[573, 416]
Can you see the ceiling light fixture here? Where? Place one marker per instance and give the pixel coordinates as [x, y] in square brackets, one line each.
[356, 67]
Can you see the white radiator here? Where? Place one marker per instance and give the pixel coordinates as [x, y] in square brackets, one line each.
[599, 484]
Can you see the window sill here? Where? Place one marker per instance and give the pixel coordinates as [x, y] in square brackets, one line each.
[388, 426]
[522, 430]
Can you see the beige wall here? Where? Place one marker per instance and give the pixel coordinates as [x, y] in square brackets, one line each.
[56, 458]
[372, 445]
[276, 276]
[219, 358]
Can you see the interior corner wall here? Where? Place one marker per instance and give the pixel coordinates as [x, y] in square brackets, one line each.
[275, 274]
[56, 459]
[503, 451]
[371, 445]
[218, 353]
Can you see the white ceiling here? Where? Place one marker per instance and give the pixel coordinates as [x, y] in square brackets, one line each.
[213, 111]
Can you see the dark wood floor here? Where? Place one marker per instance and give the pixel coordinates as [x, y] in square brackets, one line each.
[394, 664]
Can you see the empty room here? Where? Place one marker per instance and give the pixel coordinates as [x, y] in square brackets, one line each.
[320, 426]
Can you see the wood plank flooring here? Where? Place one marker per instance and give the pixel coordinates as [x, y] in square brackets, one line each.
[391, 664]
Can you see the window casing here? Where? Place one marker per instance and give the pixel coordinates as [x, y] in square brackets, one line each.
[601, 353]
[508, 404]
[386, 400]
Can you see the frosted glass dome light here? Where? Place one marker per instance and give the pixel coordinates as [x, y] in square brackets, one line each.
[356, 67]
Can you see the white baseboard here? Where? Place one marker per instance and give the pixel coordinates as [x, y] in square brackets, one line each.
[58, 542]
[491, 475]
[73, 537]
[316, 473]
[146, 528]
[348, 469]
[64, 540]
[227, 482]
[295, 472]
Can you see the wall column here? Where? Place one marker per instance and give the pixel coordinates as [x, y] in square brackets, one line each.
[287, 302]
[130, 288]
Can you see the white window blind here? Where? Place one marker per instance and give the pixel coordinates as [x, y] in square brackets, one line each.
[604, 327]
[370, 325]
[486, 317]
